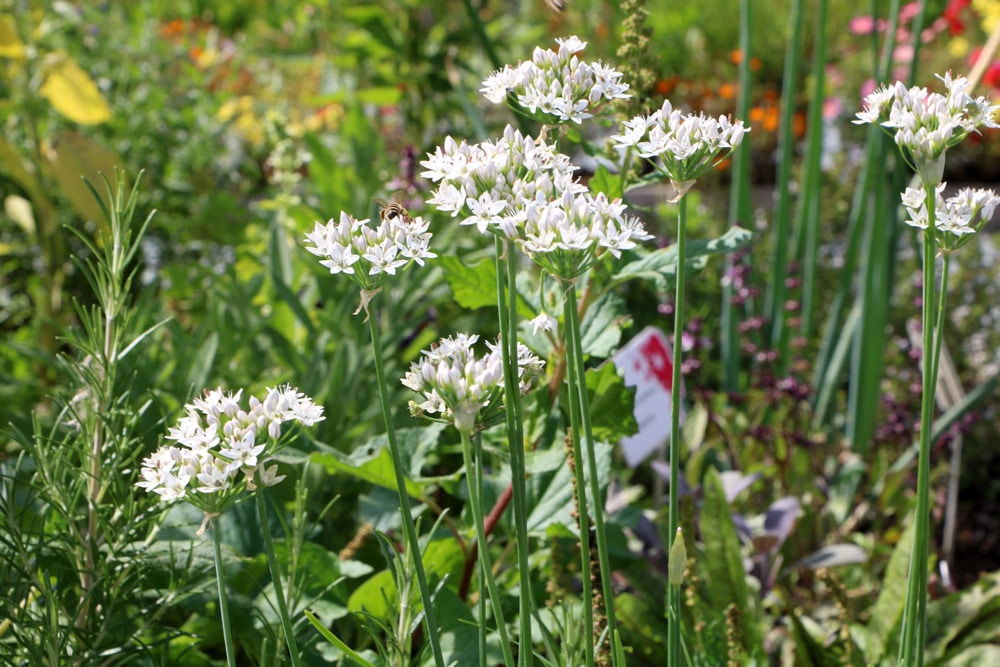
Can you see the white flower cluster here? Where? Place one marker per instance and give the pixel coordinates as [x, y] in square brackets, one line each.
[962, 215]
[928, 124]
[490, 182]
[556, 86]
[367, 253]
[217, 440]
[563, 235]
[459, 386]
[686, 145]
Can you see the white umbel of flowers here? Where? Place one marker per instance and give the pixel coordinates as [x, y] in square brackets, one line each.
[463, 389]
[367, 252]
[924, 124]
[961, 215]
[221, 447]
[556, 86]
[683, 146]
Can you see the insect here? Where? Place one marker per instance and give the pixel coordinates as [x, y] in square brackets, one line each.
[390, 210]
[556, 5]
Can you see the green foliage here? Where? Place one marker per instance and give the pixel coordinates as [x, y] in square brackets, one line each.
[218, 292]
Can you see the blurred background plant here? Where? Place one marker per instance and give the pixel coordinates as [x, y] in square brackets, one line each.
[254, 119]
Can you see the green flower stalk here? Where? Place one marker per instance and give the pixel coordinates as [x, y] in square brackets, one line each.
[924, 126]
[368, 255]
[683, 147]
[467, 392]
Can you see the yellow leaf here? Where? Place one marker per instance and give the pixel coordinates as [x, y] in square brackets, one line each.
[18, 209]
[10, 42]
[73, 156]
[72, 92]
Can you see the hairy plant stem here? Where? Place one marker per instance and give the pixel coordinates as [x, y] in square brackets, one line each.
[409, 530]
[474, 476]
[911, 649]
[227, 630]
[583, 519]
[507, 306]
[673, 521]
[604, 558]
[279, 592]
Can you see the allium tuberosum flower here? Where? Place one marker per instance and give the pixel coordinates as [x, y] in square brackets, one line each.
[463, 389]
[222, 449]
[556, 86]
[924, 124]
[684, 146]
[962, 215]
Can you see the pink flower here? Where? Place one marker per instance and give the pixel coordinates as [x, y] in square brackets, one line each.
[862, 25]
[909, 11]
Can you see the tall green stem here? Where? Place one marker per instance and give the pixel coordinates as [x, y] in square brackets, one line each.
[474, 476]
[227, 630]
[575, 406]
[279, 591]
[604, 558]
[409, 530]
[911, 650]
[673, 521]
[507, 306]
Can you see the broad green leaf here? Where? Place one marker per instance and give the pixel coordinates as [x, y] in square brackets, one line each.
[459, 631]
[660, 266]
[75, 157]
[71, 92]
[888, 608]
[960, 622]
[373, 462]
[603, 181]
[611, 404]
[474, 285]
[550, 496]
[724, 560]
[600, 331]
[326, 598]
[441, 558]
[10, 42]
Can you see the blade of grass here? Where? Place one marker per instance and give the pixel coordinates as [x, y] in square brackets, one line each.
[739, 211]
[774, 301]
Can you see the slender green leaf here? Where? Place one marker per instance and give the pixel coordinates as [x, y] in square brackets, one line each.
[333, 639]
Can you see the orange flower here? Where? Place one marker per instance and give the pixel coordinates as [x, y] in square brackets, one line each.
[666, 86]
[173, 29]
[737, 57]
[727, 91]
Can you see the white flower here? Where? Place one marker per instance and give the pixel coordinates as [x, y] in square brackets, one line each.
[685, 145]
[564, 235]
[543, 322]
[925, 124]
[459, 386]
[962, 215]
[556, 87]
[491, 182]
[204, 468]
[367, 253]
